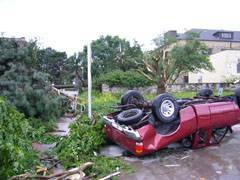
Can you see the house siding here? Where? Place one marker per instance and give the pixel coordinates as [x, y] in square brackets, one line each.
[225, 64]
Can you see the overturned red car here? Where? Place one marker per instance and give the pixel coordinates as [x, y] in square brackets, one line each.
[143, 127]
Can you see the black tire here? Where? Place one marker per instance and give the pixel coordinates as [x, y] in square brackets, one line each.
[237, 96]
[237, 92]
[206, 92]
[132, 97]
[218, 134]
[187, 142]
[130, 116]
[165, 108]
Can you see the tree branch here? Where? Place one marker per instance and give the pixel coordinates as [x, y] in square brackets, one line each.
[150, 68]
[145, 75]
[58, 176]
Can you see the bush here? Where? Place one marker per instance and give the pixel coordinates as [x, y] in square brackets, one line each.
[79, 147]
[85, 139]
[119, 78]
[16, 134]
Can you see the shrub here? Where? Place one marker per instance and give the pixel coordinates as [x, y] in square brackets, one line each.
[16, 153]
[119, 78]
[85, 139]
[231, 79]
[80, 146]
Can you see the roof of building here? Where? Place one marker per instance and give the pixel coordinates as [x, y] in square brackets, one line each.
[212, 35]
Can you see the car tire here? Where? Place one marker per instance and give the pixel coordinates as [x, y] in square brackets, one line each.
[165, 108]
[132, 97]
[130, 116]
[237, 92]
[187, 142]
[206, 92]
[237, 96]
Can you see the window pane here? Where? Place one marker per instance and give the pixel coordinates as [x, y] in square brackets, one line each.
[226, 35]
[238, 68]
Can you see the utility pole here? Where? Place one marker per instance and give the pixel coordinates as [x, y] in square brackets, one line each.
[89, 59]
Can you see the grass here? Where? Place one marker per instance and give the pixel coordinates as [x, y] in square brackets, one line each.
[184, 94]
[101, 102]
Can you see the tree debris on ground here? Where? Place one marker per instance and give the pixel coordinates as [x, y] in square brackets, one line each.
[57, 176]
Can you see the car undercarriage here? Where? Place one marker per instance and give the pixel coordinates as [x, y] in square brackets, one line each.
[143, 127]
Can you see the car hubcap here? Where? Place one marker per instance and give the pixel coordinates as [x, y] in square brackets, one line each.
[167, 108]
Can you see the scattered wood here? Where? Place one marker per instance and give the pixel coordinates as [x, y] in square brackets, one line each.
[58, 130]
[172, 165]
[110, 175]
[60, 92]
[184, 157]
[41, 170]
[58, 176]
[54, 165]
[89, 177]
[72, 172]
[21, 176]
[93, 120]
[48, 158]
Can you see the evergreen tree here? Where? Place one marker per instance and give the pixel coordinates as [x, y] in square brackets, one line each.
[24, 86]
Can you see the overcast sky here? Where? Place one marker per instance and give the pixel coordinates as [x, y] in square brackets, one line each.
[67, 25]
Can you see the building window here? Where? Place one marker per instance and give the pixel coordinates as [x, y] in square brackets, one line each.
[238, 68]
[226, 35]
[200, 78]
[185, 79]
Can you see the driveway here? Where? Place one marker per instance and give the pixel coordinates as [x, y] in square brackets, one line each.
[216, 162]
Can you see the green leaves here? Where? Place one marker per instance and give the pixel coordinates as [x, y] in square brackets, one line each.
[172, 59]
[22, 81]
[122, 79]
[191, 57]
[30, 92]
[86, 138]
[15, 142]
[83, 140]
[112, 53]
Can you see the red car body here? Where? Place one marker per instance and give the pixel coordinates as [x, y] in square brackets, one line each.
[193, 120]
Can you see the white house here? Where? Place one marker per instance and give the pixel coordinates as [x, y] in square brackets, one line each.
[226, 64]
[223, 48]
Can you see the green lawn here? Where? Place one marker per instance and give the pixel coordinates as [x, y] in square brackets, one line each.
[101, 102]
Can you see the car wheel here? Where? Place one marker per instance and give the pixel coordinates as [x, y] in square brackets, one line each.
[187, 142]
[130, 116]
[218, 134]
[165, 108]
[206, 92]
[237, 96]
[132, 97]
[237, 92]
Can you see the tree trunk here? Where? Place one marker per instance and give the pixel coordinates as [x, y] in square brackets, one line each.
[161, 88]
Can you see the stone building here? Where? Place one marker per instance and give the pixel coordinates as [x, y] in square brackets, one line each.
[217, 41]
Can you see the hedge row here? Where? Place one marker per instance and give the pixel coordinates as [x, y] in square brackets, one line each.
[122, 79]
